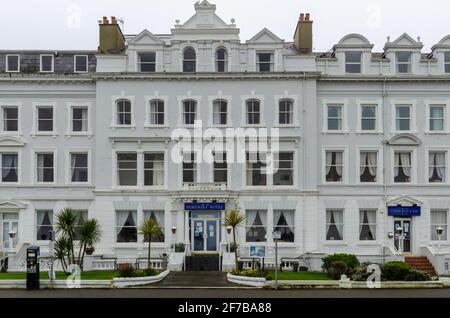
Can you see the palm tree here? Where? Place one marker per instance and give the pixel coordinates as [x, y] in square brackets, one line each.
[67, 222]
[90, 233]
[149, 228]
[61, 250]
[234, 219]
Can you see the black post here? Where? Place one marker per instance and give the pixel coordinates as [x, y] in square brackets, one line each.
[33, 281]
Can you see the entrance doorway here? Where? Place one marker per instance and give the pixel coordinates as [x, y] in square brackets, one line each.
[403, 242]
[205, 234]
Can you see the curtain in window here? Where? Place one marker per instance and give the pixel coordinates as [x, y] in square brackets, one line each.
[251, 218]
[126, 222]
[372, 160]
[339, 163]
[276, 217]
[44, 222]
[157, 215]
[84, 121]
[438, 219]
[158, 172]
[216, 112]
[289, 216]
[437, 160]
[263, 217]
[406, 163]
[329, 159]
[73, 163]
[368, 225]
[40, 170]
[334, 220]
[396, 165]
[9, 167]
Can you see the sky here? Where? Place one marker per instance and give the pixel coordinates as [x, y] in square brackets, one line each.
[73, 24]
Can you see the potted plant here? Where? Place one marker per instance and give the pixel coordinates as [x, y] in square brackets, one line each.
[89, 250]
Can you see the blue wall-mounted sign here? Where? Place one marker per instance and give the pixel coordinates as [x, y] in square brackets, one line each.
[213, 206]
[404, 210]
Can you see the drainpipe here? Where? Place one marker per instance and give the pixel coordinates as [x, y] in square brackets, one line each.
[303, 143]
[385, 142]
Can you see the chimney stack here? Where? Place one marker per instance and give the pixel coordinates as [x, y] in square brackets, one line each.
[112, 39]
[303, 36]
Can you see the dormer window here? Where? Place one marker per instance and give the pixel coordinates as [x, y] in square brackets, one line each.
[221, 60]
[12, 63]
[447, 62]
[189, 60]
[147, 62]
[403, 62]
[353, 62]
[47, 63]
[264, 62]
[81, 63]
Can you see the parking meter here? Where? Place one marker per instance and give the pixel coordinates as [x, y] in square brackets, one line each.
[33, 268]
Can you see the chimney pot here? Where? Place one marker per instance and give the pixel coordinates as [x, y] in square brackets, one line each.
[307, 17]
[105, 20]
[113, 20]
[302, 17]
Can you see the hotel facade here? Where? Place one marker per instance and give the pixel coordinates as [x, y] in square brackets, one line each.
[362, 149]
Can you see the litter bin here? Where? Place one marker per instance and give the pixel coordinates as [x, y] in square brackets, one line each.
[33, 268]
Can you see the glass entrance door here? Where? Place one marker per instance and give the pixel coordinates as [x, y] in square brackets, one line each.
[10, 224]
[403, 242]
[204, 233]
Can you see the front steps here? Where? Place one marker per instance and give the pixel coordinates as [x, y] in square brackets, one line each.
[202, 262]
[420, 263]
[194, 280]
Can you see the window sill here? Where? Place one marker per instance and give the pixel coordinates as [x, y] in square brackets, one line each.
[368, 243]
[79, 134]
[335, 132]
[44, 134]
[254, 126]
[286, 126]
[335, 243]
[148, 127]
[11, 133]
[368, 132]
[126, 245]
[130, 127]
[221, 126]
[436, 133]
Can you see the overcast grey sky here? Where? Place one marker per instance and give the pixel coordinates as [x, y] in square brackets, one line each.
[72, 24]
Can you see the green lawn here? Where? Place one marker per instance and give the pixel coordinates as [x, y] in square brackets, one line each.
[301, 276]
[103, 275]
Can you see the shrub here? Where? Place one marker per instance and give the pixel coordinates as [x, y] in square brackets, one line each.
[127, 271]
[252, 273]
[150, 272]
[395, 270]
[349, 259]
[337, 269]
[417, 276]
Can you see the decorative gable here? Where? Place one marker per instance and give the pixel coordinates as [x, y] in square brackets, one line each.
[265, 36]
[404, 140]
[11, 206]
[145, 38]
[204, 18]
[404, 41]
[11, 141]
[354, 40]
[404, 201]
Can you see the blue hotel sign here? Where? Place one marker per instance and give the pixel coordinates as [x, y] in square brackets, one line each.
[204, 206]
[404, 211]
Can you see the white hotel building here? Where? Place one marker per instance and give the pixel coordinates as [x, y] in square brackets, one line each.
[364, 143]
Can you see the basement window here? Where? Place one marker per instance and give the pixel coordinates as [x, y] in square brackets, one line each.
[47, 63]
[12, 63]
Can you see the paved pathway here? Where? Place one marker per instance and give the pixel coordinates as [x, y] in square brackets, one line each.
[194, 279]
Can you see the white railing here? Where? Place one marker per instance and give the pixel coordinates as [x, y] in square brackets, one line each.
[104, 265]
[204, 186]
[156, 263]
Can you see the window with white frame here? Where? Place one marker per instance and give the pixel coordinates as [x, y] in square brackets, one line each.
[368, 117]
[82, 217]
[447, 62]
[127, 169]
[403, 62]
[154, 169]
[403, 117]
[12, 63]
[44, 224]
[80, 116]
[158, 217]
[368, 164]
[253, 112]
[284, 222]
[156, 112]
[439, 220]
[285, 112]
[47, 63]
[126, 226]
[45, 167]
[9, 223]
[437, 117]
[79, 167]
[256, 169]
[189, 112]
[402, 167]
[221, 60]
[10, 118]
[437, 171]
[335, 117]
[256, 225]
[10, 167]
[284, 169]
[81, 64]
[189, 60]
[189, 168]
[45, 118]
[220, 112]
[367, 225]
[334, 225]
[353, 62]
[220, 168]
[334, 166]
[147, 62]
[123, 109]
[264, 62]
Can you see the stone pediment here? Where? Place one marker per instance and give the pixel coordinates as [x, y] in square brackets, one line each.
[404, 201]
[205, 18]
[145, 38]
[11, 206]
[354, 40]
[443, 44]
[404, 140]
[404, 41]
[11, 141]
[265, 36]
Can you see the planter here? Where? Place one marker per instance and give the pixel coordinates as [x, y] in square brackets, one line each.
[89, 250]
[247, 281]
[138, 281]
